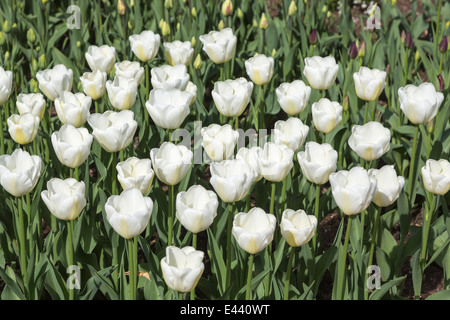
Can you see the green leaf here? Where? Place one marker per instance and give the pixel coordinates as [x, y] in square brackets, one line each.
[379, 293]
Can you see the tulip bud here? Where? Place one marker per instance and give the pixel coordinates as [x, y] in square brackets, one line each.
[198, 62]
[240, 14]
[408, 40]
[255, 23]
[403, 37]
[417, 56]
[227, 8]
[353, 52]
[34, 65]
[443, 45]
[178, 26]
[345, 103]
[31, 36]
[165, 30]
[430, 126]
[388, 69]
[194, 12]
[131, 24]
[121, 8]
[324, 9]
[393, 2]
[168, 4]
[221, 25]
[161, 23]
[6, 26]
[329, 14]
[193, 42]
[313, 36]
[34, 86]
[44, 2]
[274, 52]
[2, 38]
[6, 55]
[263, 23]
[362, 49]
[292, 8]
[441, 82]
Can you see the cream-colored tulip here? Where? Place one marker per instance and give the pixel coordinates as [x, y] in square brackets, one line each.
[19, 172]
[5, 85]
[170, 77]
[293, 97]
[72, 145]
[135, 173]
[219, 45]
[130, 69]
[33, 103]
[291, 133]
[317, 162]
[321, 72]
[101, 58]
[250, 155]
[65, 199]
[260, 69]
[145, 45]
[436, 176]
[297, 228]
[219, 141]
[369, 83]
[254, 230]
[275, 161]
[389, 185]
[326, 115]
[178, 52]
[73, 108]
[53, 82]
[122, 92]
[370, 141]
[94, 83]
[231, 97]
[23, 128]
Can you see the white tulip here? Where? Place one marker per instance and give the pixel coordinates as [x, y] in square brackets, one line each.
[231, 97]
[369, 83]
[317, 162]
[5, 85]
[72, 145]
[254, 230]
[293, 97]
[135, 173]
[122, 92]
[94, 83]
[171, 162]
[178, 52]
[168, 108]
[260, 69]
[321, 72]
[370, 141]
[326, 115]
[182, 268]
[170, 77]
[101, 58]
[73, 108]
[192, 89]
[129, 213]
[436, 176]
[19, 172]
[33, 103]
[352, 190]
[53, 82]
[231, 179]
[297, 228]
[420, 104]
[219, 45]
[23, 128]
[291, 133]
[389, 185]
[65, 199]
[130, 69]
[275, 161]
[145, 45]
[219, 141]
[113, 130]
[196, 208]
[250, 155]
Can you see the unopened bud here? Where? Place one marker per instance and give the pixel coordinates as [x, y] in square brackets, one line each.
[34, 65]
[161, 23]
[441, 82]
[34, 86]
[131, 24]
[6, 26]
[78, 44]
[417, 56]
[168, 4]
[362, 49]
[403, 37]
[274, 52]
[6, 55]
[345, 103]
[292, 8]
[393, 2]
[227, 8]
[2, 38]
[221, 25]
[121, 8]
[41, 61]
[313, 36]
[240, 14]
[388, 69]
[443, 46]
[194, 12]
[353, 52]
[198, 62]
[31, 36]
[430, 126]
[193, 42]
[255, 23]
[408, 40]
[165, 30]
[263, 23]
[324, 9]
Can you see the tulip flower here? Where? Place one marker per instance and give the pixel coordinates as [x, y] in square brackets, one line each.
[135, 173]
[275, 161]
[389, 185]
[352, 190]
[19, 172]
[53, 82]
[65, 199]
[420, 103]
[291, 133]
[297, 228]
[114, 131]
[171, 162]
[369, 83]
[196, 208]
[317, 162]
[253, 231]
[72, 145]
[192, 89]
[370, 141]
[326, 115]
[145, 45]
[130, 69]
[170, 77]
[33, 103]
[260, 69]
[231, 179]
[250, 156]
[182, 268]
[129, 213]
[219, 45]
[321, 72]
[436, 176]
[23, 128]
[231, 97]
[168, 108]
[5, 85]
[122, 92]
[178, 52]
[101, 58]
[94, 83]
[73, 108]
[219, 141]
[293, 97]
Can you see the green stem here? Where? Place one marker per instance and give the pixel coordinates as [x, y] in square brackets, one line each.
[22, 243]
[131, 268]
[30, 219]
[366, 111]
[70, 258]
[171, 213]
[425, 231]
[411, 176]
[372, 247]
[194, 245]
[272, 198]
[114, 173]
[438, 20]
[316, 214]
[229, 247]
[288, 274]
[248, 292]
[2, 141]
[342, 267]
[283, 194]
[406, 66]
